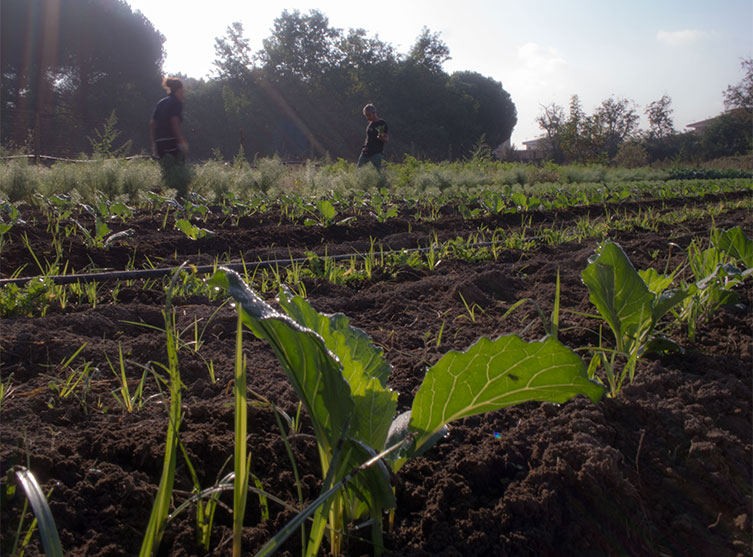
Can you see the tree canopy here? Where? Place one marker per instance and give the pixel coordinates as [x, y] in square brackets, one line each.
[302, 94]
[67, 64]
[611, 133]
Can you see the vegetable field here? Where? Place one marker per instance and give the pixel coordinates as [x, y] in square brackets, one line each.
[588, 346]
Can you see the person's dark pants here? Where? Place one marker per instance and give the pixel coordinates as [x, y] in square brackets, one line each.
[167, 147]
[175, 172]
[375, 159]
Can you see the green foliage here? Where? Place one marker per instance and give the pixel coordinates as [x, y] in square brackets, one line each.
[161, 507]
[735, 243]
[323, 215]
[341, 379]
[681, 173]
[495, 374]
[630, 308]
[103, 142]
[192, 231]
[716, 275]
[30, 300]
[114, 64]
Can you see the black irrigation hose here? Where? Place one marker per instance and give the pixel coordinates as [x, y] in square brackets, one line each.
[206, 269]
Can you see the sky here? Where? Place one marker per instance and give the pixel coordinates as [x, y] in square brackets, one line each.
[542, 51]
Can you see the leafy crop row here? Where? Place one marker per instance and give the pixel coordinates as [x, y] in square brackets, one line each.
[341, 379]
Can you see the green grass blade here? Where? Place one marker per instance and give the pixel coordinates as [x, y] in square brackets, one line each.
[161, 507]
[48, 532]
[241, 424]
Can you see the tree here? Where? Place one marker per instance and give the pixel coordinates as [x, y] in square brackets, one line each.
[659, 115]
[493, 112]
[429, 51]
[233, 52]
[583, 138]
[575, 138]
[728, 135]
[303, 46]
[741, 95]
[63, 74]
[614, 121]
[360, 52]
[552, 121]
[631, 154]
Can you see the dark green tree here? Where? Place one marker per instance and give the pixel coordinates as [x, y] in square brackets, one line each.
[492, 111]
[613, 122]
[727, 135]
[659, 115]
[234, 57]
[303, 46]
[67, 64]
[429, 51]
[741, 95]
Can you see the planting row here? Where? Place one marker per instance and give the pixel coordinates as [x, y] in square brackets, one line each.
[341, 378]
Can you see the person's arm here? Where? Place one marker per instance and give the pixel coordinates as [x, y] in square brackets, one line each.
[175, 126]
[383, 136]
[153, 133]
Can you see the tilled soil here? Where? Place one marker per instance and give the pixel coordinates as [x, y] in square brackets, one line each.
[664, 468]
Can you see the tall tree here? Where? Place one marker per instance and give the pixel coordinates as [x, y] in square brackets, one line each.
[741, 95]
[234, 58]
[429, 51]
[552, 120]
[659, 115]
[583, 138]
[71, 64]
[615, 120]
[493, 112]
[304, 46]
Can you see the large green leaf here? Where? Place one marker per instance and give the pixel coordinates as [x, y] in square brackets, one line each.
[494, 374]
[339, 336]
[364, 368]
[327, 210]
[666, 301]
[655, 281]
[737, 245]
[312, 369]
[620, 295]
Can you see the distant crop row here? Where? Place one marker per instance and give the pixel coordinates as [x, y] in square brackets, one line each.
[214, 179]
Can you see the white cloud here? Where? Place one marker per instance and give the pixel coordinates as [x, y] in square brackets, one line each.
[680, 38]
[539, 57]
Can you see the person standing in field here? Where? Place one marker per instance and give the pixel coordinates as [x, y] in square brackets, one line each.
[168, 144]
[167, 138]
[376, 137]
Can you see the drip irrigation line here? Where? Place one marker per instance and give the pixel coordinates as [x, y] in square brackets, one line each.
[206, 269]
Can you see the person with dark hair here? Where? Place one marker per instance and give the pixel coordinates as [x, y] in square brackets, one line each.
[167, 138]
[376, 137]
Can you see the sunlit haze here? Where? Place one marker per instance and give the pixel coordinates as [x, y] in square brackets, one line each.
[541, 51]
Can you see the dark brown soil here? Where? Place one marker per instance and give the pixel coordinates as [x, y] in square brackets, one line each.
[664, 468]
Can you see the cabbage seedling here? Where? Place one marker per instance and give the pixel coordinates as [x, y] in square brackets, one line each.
[627, 304]
[341, 379]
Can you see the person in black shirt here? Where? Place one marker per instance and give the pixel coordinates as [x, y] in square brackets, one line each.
[167, 138]
[376, 137]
